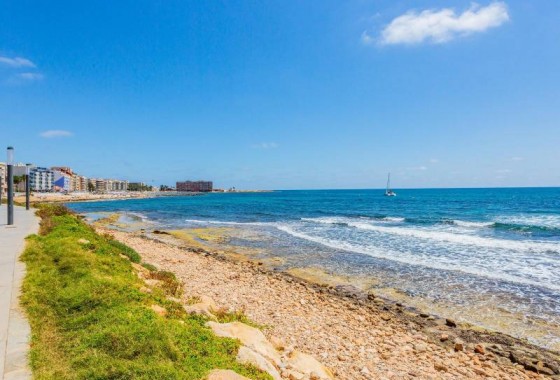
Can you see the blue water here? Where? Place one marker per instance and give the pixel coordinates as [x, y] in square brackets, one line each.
[487, 256]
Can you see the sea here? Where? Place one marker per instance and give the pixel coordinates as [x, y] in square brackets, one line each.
[488, 257]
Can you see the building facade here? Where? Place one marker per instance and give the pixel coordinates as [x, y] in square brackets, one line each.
[195, 186]
[41, 179]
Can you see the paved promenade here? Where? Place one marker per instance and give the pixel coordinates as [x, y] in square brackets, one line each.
[14, 328]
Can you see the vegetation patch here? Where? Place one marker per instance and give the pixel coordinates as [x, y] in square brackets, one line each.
[90, 320]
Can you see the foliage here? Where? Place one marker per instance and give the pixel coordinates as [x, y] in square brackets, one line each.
[90, 320]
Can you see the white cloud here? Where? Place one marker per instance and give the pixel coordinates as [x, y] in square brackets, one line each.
[439, 26]
[367, 39]
[266, 145]
[503, 171]
[55, 133]
[434, 160]
[517, 158]
[16, 62]
[30, 76]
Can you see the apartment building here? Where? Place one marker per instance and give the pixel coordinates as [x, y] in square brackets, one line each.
[41, 179]
[195, 186]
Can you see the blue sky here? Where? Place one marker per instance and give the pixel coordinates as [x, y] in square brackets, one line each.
[286, 94]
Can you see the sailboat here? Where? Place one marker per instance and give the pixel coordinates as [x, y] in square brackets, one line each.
[388, 191]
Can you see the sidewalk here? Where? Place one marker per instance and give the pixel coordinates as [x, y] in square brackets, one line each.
[14, 328]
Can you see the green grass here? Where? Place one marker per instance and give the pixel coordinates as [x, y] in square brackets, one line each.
[90, 321]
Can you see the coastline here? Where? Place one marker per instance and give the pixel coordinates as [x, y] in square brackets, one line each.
[356, 334]
[93, 197]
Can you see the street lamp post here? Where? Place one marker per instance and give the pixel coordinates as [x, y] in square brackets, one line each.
[27, 185]
[10, 179]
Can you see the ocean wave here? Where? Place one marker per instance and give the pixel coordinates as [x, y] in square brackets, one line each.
[469, 224]
[449, 237]
[409, 258]
[441, 236]
[543, 222]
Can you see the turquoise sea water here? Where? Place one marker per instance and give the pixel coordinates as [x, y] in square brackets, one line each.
[485, 256]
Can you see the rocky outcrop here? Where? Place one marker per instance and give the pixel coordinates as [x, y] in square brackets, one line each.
[258, 351]
[248, 356]
[205, 307]
[222, 374]
[250, 337]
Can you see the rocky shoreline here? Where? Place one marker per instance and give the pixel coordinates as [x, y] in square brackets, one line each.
[355, 334]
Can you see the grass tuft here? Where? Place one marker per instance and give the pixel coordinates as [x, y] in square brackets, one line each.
[90, 321]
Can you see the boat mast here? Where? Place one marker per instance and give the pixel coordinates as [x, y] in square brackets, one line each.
[388, 182]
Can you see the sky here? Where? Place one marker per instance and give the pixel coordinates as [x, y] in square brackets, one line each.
[286, 94]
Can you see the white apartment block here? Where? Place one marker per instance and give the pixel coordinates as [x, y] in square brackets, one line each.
[41, 179]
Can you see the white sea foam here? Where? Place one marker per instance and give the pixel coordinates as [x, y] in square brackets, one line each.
[443, 236]
[547, 221]
[393, 219]
[469, 224]
[476, 266]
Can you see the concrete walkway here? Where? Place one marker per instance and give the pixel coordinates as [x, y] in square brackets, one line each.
[14, 328]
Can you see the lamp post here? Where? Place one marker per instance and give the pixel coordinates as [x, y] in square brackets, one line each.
[10, 179]
[27, 185]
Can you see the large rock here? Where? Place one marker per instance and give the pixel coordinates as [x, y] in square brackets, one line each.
[248, 356]
[307, 364]
[223, 374]
[248, 336]
[205, 307]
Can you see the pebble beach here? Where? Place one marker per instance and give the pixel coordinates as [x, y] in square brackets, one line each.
[356, 335]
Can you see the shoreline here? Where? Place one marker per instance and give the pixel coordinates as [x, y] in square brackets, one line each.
[37, 197]
[433, 346]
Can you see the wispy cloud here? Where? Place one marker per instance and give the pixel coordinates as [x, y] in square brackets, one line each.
[52, 133]
[503, 171]
[31, 77]
[265, 145]
[517, 158]
[434, 160]
[439, 26]
[16, 62]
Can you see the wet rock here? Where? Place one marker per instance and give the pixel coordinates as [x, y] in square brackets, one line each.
[349, 291]
[158, 232]
[450, 322]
